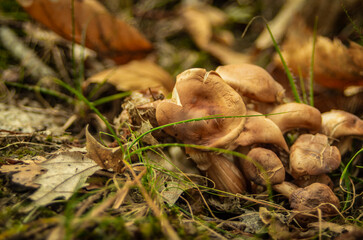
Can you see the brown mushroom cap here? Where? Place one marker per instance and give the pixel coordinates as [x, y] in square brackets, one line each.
[338, 123]
[252, 81]
[312, 155]
[296, 115]
[268, 160]
[313, 196]
[260, 129]
[316, 195]
[198, 93]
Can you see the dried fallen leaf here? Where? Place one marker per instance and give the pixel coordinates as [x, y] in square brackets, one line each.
[136, 75]
[336, 65]
[66, 173]
[279, 24]
[199, 21]
[104, 33]
[106, 158]
[25, 173]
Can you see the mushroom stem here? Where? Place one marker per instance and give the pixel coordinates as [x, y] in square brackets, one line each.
[285, 188]
[224, 174]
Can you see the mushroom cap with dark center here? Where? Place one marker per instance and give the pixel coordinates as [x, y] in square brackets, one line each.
[312, 155]
[197, 94]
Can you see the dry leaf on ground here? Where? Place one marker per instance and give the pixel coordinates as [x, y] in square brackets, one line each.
[66, 172]
[24, 173]
[136, 75]
[104, 33]
[199, 21]
[279, 24]
[336, 65]
[106, 158]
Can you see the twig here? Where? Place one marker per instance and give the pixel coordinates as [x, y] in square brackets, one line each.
[36, 68]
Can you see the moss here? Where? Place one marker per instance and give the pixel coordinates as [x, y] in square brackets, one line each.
[11, 9]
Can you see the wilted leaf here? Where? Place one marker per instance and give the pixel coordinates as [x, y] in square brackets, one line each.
[25, 173]
[198, 26]
[106, 158]
[336, 66]
[104, 33]
[199, 21]
[136, 75]
[66, 173]
[279, 24]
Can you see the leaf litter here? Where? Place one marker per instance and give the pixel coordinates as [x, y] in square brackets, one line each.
[66, 172]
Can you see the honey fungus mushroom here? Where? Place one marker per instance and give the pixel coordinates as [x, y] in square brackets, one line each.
[296, 116]
[260, 130]
[252, 81]
[338, 123]
[263, 167]
[309, 199]
[197, 94]
[312, 155]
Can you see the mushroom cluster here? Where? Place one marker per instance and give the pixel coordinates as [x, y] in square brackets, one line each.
[298, 172]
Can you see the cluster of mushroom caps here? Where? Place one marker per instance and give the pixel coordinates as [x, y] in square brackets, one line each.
[236, 90]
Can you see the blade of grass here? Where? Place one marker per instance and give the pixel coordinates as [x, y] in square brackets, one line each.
[355, 26]
[82, 98]
[194, 120]
[110, 98]
[311, 70]
[42, 90]
[345, 176]
[287, 71]
[219, 150]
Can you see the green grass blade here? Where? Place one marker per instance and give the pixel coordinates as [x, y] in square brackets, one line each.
[345, 177]
[42, 90]
[82, 98]
[110, 98]
[288, 73]
[311, 70]
[194, 120]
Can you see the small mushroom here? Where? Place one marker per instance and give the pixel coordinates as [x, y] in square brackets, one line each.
[296, 115]
[265, 164]
[197, 94]
[262, 130]
[225, 174]
[310, 198]
[312, 155]
[252, 81]
[338, 123]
